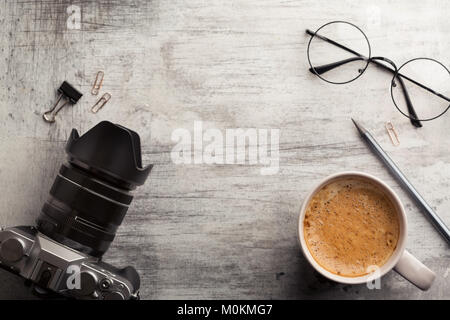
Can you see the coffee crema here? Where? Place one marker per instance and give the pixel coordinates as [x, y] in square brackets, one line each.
[350, 225]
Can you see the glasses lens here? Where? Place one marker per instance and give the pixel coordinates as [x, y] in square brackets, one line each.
[338, 52]
[411, 78]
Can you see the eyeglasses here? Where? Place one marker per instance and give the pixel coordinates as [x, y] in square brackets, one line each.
[417, 87]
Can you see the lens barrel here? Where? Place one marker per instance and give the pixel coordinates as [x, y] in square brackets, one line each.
[93, 190]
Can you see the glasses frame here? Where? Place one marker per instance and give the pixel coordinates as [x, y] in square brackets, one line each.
[318, 70]
[316, 34]
[435, 93]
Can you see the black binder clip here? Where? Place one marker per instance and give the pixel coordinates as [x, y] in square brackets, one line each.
[66, 92]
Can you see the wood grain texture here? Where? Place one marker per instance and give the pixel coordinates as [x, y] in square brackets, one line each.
[210, 231]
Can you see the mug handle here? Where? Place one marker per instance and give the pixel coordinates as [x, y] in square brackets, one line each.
[414, 271]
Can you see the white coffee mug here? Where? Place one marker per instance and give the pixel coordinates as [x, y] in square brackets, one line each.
[401, 260]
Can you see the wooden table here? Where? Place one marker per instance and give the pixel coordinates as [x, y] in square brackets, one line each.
[220, 231]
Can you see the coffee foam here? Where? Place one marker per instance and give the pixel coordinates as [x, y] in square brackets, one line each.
[351, 225]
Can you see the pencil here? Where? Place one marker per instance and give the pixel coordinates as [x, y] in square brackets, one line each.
[376, 148]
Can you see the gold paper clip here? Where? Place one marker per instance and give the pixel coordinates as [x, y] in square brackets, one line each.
[100, 103]
[98, 83]
[392, 133]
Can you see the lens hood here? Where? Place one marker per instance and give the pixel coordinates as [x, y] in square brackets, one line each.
[110, 151]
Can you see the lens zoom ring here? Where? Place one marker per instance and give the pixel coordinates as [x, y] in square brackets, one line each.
[80, 177]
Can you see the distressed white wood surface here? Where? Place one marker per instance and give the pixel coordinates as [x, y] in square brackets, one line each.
[199, 231]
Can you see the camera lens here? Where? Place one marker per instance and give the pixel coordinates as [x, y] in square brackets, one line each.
[93, 190]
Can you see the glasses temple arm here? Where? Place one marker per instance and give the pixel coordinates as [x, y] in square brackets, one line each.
[327, 67]
[337, 44]
[409, 105]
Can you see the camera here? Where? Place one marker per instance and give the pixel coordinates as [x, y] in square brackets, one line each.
[62, 254]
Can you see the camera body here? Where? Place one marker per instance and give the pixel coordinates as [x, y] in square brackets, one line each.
[53, 267]
[89, 198]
